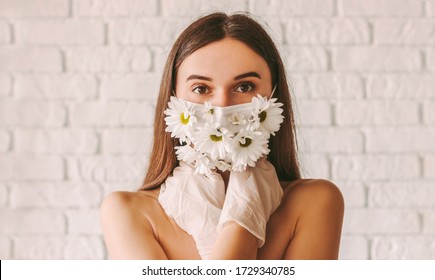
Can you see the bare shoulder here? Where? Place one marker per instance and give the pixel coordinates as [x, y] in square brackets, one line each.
[125, 201]
[313, 193]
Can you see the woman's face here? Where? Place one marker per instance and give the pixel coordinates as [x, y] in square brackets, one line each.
[225, 72]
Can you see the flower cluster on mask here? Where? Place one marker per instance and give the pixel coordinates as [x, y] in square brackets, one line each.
[226, 141]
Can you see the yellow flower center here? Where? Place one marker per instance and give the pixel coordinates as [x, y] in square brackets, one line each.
[248, 141]
[183, 119]
[215, 138]
[262, 116]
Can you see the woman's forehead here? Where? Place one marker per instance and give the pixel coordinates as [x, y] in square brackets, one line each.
[222, 60]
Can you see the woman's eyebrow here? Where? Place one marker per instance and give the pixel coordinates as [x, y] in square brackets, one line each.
[238, 77]
[248, 74]
[198, 77]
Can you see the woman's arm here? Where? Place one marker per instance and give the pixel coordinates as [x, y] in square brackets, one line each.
[307, 224]
[235, 243]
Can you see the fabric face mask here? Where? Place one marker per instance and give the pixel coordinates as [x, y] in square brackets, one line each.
[227, 138]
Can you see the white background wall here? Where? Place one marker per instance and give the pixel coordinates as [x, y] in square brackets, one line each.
[78, 87]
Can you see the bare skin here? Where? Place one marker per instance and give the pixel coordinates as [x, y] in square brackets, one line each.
[306, 225]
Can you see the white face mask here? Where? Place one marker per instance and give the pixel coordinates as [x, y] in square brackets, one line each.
[227, 138]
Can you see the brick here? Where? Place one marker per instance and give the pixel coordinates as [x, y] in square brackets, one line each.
[5, 248]
[313, 113]
[131, 86]
[429, 112]
[112, 114]
[399, 31]
[62, 141]
[193, 8]
[55, 86]
[58, 247]
[65, 32]
[429, 222]
[329, 86]
[429, 166]
[3, 194]
[377, 221]
[114, 8]
[292, 7]
[373, 112]
[430, 57]
[128, 170]
[83, 221]
[330, 140]
[159, 58]
[31, 221]
[150, 31]
[5, 33]
[401, 140]
[24, 168]
[299, 59]
[400, 86]
[430, 7]
[274, 27]
[354, 192]
[23, 8]
[376, 59]
[314, 166]
[31, 59]
[5, 85]
[354, 248]
[5, 140]
[416, 194]
[27, 113]
[55, 195]
[403, 248]
[375, 167]
[127, 141]
[380, 7]
[108, 59]
[326, 31]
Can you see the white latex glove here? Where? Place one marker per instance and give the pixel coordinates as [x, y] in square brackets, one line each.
[194, 201]
[252, 196]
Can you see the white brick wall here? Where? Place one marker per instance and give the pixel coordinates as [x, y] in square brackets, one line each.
[78, 87]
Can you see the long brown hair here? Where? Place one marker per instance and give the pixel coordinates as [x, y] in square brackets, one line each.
[208, 29]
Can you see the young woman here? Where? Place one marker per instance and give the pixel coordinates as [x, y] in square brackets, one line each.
[266, 211]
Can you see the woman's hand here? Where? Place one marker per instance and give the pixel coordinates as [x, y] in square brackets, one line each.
[251, 198]
[194, 201]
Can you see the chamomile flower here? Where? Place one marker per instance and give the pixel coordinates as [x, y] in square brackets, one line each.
[203, 165]
[213, 141]
[207, 112]
[180, 119]
[267, 115]
[187, 154]
[237, 119]
[247, 147]
[223, 165]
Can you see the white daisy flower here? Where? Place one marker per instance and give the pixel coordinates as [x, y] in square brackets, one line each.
[237, 119]
[200, 161]
[203, 165]
[247, 147]
[223, 165]
[180, 119]
[267, 115]
[187, 154]
[213, 141]
[207, 113]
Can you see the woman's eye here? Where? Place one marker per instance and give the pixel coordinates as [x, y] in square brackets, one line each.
[245, 88]
[200, 90]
